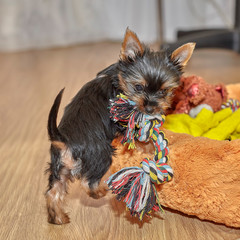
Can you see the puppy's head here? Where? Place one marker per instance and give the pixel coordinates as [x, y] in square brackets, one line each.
[148, 78]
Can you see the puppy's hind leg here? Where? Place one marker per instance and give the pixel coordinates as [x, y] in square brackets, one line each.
[60, 174]
[96, 189]
[95, 181]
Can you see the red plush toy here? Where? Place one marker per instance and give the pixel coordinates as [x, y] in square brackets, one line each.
[194, 91]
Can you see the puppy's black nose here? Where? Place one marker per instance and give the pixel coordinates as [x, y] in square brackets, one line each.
[149, 109]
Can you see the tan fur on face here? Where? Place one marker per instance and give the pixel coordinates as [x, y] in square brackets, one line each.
[137, 98]
[123, 84]
[139, 101]
[170, 85]
[163, 103]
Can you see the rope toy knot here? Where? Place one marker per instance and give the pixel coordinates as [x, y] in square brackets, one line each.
[136, 185]
[158, 172]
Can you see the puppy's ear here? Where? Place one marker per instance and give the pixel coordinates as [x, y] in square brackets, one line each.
[182, 54]
[131, 46]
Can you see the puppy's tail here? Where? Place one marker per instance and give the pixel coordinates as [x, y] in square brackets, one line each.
[53, 132]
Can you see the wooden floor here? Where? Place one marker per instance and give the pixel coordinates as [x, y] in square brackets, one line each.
[29, 82]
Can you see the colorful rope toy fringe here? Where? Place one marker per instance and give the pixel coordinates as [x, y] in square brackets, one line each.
[234, 104]
[136, 185]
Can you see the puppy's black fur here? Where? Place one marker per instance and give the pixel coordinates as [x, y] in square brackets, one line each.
[81, 143]
[86, 128]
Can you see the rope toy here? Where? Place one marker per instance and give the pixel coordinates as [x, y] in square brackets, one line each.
[234, 104]
[136, 185]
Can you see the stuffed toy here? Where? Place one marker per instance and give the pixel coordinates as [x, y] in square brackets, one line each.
[221, 125]
[206, 173]
[194, 91]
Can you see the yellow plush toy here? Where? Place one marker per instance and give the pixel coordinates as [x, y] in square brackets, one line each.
[221, 125]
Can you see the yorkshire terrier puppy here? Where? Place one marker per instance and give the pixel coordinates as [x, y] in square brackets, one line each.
[81, 143]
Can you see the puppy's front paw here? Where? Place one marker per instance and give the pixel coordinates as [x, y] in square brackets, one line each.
[99, 193]
[58, 219]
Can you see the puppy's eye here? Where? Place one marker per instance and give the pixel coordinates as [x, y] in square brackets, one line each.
[139, 88]
[162, 92]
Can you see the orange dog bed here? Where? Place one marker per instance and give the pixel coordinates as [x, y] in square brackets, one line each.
[206, 180]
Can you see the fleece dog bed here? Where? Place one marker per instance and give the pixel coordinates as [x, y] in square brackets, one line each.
[206, 180]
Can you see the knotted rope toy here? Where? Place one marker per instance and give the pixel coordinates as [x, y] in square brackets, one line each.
[234, 104]
[136, 185]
